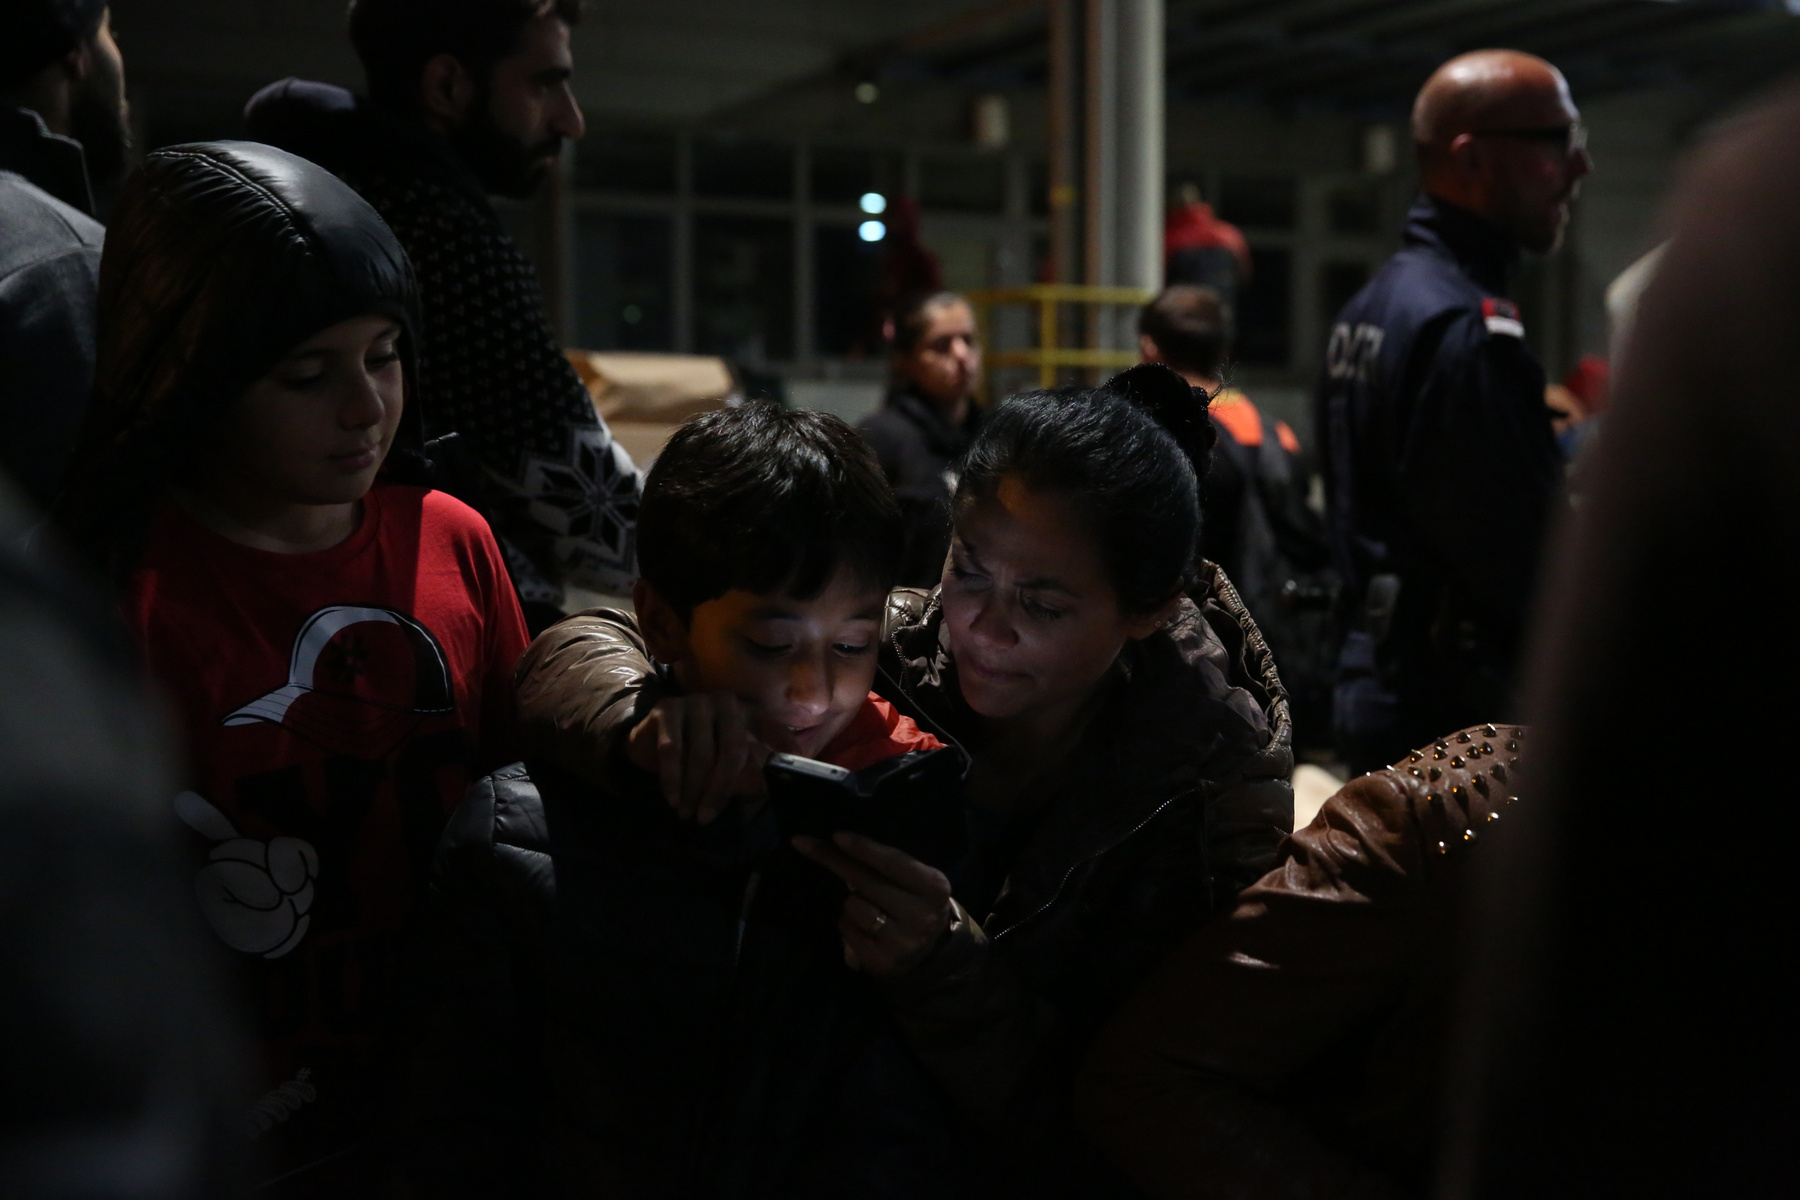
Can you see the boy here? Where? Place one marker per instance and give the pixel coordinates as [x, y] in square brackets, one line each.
[630, 1003]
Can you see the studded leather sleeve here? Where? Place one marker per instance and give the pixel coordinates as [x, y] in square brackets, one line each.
[1307, 1021]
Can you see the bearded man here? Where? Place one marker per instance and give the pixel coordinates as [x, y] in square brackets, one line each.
[467, 99]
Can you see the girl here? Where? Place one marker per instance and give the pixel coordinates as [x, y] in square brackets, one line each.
[338, 640]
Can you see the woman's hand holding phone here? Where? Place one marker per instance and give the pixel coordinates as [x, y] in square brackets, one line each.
[898, 908]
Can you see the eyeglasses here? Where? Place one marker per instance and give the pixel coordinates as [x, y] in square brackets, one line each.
[1570, 139]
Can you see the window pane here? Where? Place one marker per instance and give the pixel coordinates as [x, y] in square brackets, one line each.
[743, 170]
[963, 184]
[622, 266]
[626, 162]
[744, 287]
[846, 270]
[1259, 202]
[843, 176]
[1264, 308]
[1355, 210]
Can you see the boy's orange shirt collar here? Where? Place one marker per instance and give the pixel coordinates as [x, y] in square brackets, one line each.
[877, 733]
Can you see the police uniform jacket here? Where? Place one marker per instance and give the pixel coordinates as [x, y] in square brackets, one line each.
[1439, 459]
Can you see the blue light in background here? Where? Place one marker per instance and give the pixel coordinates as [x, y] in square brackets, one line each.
[874, 203]
[871, 231]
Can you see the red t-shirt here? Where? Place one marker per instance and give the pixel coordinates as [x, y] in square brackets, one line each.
[875, 734]
[336, 707]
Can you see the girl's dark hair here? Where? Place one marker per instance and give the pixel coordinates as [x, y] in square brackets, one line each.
[1130, 454]
[220, 259]
[769, 500]
[912, 317]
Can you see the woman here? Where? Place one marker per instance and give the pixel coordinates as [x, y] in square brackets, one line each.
[338, 644]
[1129, 743]
[927, 420]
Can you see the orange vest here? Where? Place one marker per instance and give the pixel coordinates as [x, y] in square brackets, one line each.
[1241, 420]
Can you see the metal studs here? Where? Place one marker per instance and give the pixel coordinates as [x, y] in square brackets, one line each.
[1415, 756]
[1487, 748]
[1438, 753]
[1490, 731]
[1416, 773]
[1469, 835]
[1457, 762]
[1493, 816]
[1436, 774]
[1457, 793]
[1433, 798]
[1512, 747]
[1499, 772]
[1443, 849]
[1464, 737]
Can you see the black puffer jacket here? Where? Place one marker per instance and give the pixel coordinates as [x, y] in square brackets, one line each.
[626, 1005]
[1176, 798]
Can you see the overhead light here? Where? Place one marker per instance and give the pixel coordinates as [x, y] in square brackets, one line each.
[867, 93]
[871, 231]
[873, 203]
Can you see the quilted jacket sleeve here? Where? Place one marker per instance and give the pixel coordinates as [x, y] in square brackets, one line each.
[478, 1107]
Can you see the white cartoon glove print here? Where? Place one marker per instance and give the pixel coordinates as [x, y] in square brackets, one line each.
[255, 894]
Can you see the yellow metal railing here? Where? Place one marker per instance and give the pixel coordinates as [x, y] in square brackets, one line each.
[1047, 356]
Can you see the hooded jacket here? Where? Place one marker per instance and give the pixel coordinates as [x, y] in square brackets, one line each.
[49, 271]
[563, 493]
[223, 256]
[1176, 798]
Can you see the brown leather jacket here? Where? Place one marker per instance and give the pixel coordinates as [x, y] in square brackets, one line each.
[1176, 798]
[1295, 1048]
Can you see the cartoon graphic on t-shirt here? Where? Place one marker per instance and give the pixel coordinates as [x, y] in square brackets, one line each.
[256, 895]
[358, 681]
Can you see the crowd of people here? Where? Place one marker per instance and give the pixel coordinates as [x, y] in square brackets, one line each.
[924, 827]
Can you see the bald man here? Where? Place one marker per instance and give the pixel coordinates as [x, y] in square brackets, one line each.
[1440, 463]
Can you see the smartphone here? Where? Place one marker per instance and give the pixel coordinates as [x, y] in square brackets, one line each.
[913, 802]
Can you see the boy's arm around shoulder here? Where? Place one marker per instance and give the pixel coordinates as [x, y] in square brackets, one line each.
[582, 686]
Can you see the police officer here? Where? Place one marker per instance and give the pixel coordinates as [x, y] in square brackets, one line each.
[1440, 463]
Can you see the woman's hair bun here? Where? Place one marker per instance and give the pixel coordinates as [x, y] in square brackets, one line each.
[1179, 408]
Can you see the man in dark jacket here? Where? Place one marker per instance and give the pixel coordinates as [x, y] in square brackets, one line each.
[62, 123]
[1440, 462]
[467, 98]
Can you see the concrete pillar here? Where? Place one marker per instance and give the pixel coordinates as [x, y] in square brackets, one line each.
[1123, 176]
[1139, 157]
